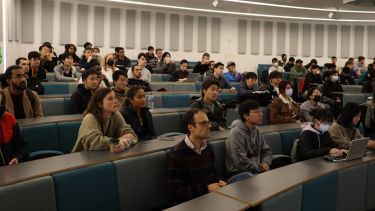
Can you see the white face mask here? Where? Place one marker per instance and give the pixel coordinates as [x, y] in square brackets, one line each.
[275, 64]
[323, 127]
[335, 78]
[289, 92]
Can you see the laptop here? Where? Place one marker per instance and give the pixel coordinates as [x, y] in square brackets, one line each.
[193, 77]
[357, 150]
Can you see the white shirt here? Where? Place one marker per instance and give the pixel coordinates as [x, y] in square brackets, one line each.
[192, 147]
[273, 68]
[146, 75]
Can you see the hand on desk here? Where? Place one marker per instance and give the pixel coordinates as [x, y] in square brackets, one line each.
[265, 167]
[371, 144]
[338, 152]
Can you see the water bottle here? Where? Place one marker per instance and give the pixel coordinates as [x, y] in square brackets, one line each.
[150, 102]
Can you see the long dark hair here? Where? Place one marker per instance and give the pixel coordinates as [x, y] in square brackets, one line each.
[346, 117]
[131, 94]
[95, 105]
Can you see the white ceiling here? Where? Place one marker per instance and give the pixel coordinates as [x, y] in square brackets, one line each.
[271, 10]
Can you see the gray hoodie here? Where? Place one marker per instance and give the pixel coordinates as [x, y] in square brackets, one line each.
[246, 149]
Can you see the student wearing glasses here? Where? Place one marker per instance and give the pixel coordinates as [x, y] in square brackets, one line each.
[246, 148]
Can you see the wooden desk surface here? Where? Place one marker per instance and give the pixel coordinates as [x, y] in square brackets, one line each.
[211, 201]
[262, 187]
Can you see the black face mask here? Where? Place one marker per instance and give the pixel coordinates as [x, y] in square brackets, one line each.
[317, 98]
[110, 62]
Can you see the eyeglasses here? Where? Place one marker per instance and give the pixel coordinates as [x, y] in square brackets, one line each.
[204, 123]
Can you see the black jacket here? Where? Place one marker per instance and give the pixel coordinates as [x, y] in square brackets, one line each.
[87, 65]
[123, 64]
[144, 132]
[216, 117]
[312, 79]
[179, 75]
[346, 80]
[80, 99]
[272, 91]
[12, 143]
[313, 144]
[35, 85]
[138, 82]
[201, 68]
[329, 87]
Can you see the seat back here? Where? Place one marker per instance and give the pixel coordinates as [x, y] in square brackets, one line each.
[142, 182]
[168, 122]
[273, 140]
[55, 88]
[41, 137]
[287, 140]
[89, 188]
[218, 147]
[53, 106]
[68, 133]
[176, 100]
[37, 194]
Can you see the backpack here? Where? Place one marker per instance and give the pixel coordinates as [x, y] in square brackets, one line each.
[29, 94]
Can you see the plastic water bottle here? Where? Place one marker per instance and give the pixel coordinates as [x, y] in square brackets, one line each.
[150, 102]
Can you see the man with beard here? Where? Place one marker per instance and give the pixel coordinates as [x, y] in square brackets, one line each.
[19, 101]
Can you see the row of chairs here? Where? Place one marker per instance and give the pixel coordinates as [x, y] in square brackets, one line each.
[127, 184]
[127, 179]
[60, 105]
[54, 88]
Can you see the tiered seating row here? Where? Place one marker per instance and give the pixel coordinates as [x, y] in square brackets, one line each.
[127, 180]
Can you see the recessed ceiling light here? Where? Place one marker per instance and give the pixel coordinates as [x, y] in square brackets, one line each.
[215, 3]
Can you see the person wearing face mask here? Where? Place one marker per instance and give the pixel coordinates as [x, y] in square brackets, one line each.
[345, 77]
[275, 66]
[332, 84]
[108, 67]
[312, 103]
[313, 78]
[315, 140]
[283, 108]
[166, 64]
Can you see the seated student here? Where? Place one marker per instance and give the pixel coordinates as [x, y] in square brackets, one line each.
[246, 149]
[72, 50]
[181, 74]
[312, 63]
[345, 77]
[81, 97]
[36, 74]
[312, 103]
[315, 140]
[367, 77]
[120, 86]
[108, 66]
[218, 75]
[332, 84]
[298, 70]
[210, 104]
[273, 87]
[103, 125]
[232, 75]
[289, 65]
[137, 79]
[145, 73]
[345, 129]
[248, 86]
[283, 108]
[210, 71]
[12, 142]
[202, 66]
[122, 62]
[313, 78]
[19, 100]
[96, 54]
[191, 170]
[138, 115]
[66, 71]
[87, 60]
[166, 64]
[48, 59]
[275, 66]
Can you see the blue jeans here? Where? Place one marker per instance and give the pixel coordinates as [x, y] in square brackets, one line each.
[239, 177]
